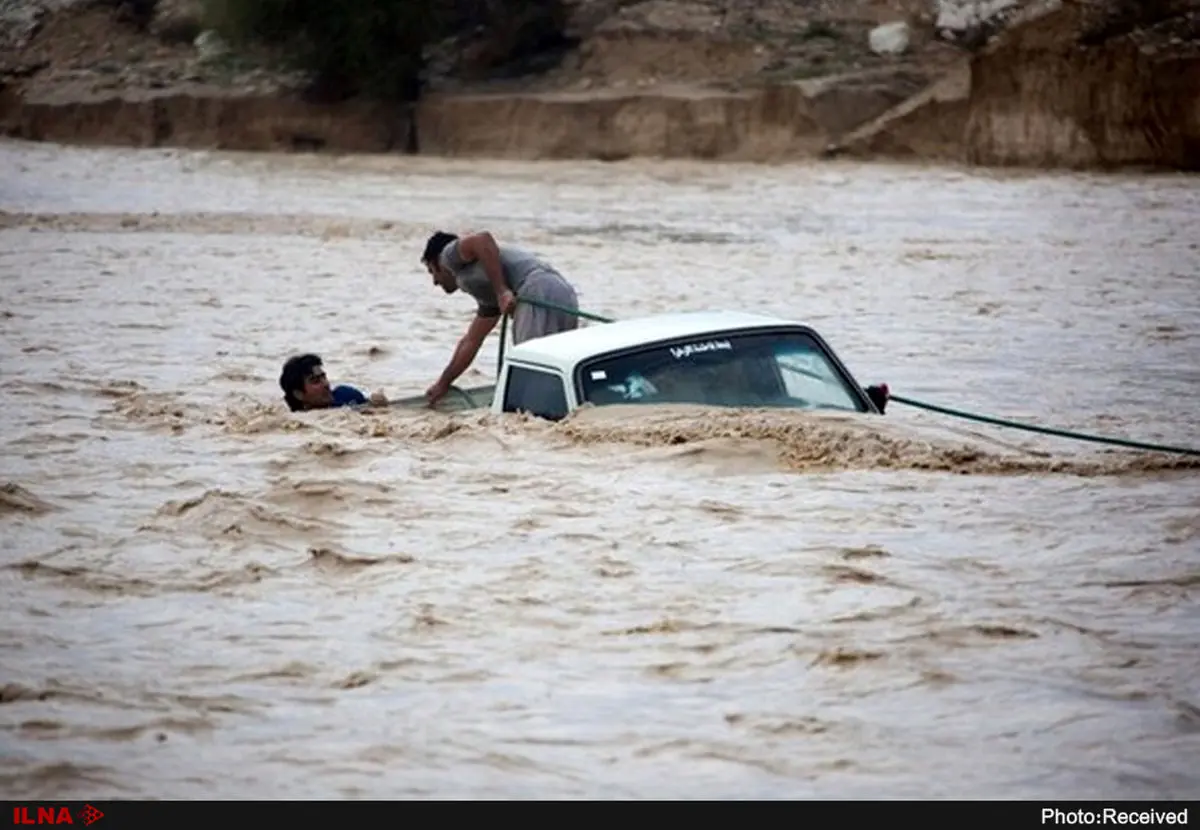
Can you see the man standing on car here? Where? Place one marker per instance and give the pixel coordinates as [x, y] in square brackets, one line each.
[494, 276]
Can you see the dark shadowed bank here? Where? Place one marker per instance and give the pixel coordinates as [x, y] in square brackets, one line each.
[378, 49]
[1077, 84]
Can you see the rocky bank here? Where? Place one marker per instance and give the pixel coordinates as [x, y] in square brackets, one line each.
[1079, 84]
[1090, 86]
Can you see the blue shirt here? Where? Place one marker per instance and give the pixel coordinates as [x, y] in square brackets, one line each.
[347, 396]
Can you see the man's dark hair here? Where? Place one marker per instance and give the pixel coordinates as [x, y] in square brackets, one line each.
[436, 244]
[295, 372]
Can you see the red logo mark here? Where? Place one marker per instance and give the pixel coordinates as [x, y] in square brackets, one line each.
[89, 815]
[42, 815]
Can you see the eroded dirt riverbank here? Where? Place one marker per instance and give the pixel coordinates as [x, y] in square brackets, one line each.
[1059, 86]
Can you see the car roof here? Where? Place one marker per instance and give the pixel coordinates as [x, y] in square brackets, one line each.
[565, 349]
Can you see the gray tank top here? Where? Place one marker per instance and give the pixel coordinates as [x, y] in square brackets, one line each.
[516, 263]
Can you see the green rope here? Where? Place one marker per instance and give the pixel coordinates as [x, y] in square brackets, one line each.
[944, 410]
[541, 304]
[565, 309]
[500, 350]
[1062, 433]
[464, 394]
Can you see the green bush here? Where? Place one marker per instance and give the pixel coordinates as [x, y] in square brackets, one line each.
[370, 47]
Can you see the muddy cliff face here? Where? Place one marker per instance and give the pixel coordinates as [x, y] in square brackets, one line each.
[1056, 92]
[1091, 84]
[774, 122]
[712, 79]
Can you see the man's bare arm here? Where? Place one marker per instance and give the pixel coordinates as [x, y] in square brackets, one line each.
[482, 247]
[467, 348]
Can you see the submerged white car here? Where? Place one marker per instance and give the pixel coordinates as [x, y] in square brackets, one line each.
[719, 358]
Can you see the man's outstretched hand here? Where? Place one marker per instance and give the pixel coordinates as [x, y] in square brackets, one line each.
[436, 392]
[508, 302]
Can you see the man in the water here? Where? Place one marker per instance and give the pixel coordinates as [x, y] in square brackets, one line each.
[494, 275]
[305, 386]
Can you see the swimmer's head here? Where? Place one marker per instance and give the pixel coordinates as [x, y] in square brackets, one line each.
[304, 383]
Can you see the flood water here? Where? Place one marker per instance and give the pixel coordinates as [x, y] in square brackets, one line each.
[205, 596]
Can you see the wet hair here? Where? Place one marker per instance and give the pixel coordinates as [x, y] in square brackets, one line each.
[295, 372]
[436, 244]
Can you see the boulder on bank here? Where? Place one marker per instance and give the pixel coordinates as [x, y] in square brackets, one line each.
[890, 38]
[972, 23]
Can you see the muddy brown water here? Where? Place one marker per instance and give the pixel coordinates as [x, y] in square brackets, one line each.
[206, 596]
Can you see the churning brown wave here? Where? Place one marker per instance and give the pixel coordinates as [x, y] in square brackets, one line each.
[208, 596]
[785, 440]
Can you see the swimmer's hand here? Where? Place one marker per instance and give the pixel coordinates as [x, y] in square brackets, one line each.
[378, 399]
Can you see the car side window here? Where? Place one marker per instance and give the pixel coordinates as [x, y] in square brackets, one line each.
[536, 392]
[808, 377]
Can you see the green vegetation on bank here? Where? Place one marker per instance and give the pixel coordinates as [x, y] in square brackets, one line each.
[379, 48]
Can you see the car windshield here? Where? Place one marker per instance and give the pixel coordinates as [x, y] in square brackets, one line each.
[756, 369]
